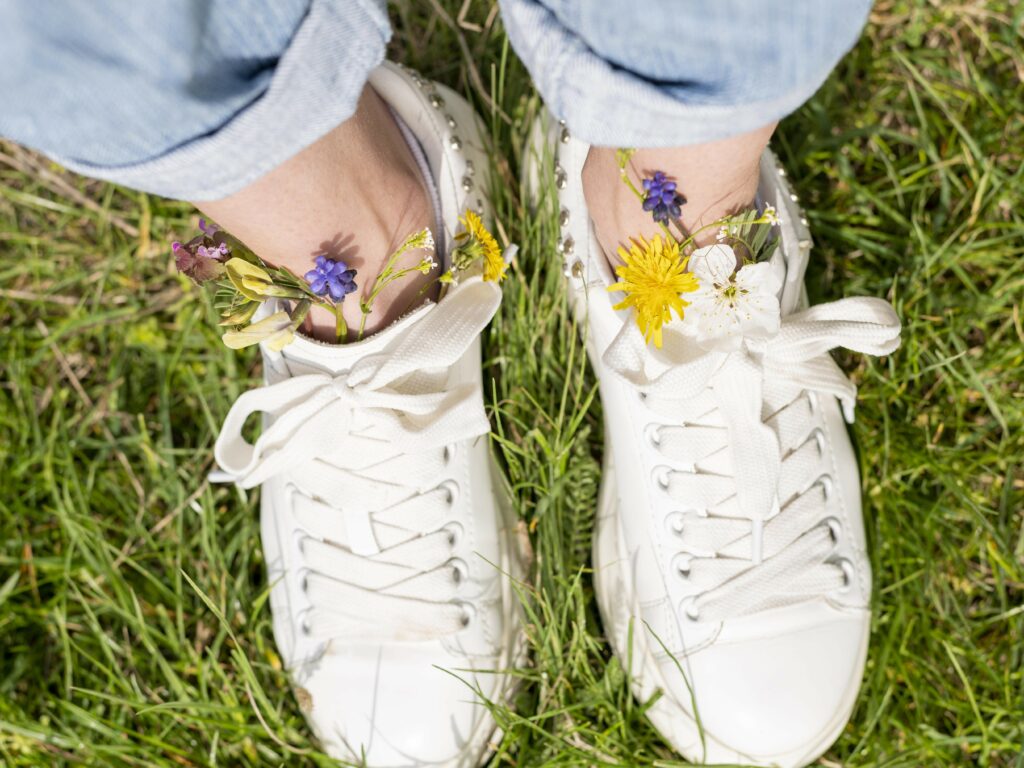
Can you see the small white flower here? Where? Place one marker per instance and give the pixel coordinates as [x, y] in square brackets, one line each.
[771, 215]
[723, 233]
[427, 264]
[730, 304]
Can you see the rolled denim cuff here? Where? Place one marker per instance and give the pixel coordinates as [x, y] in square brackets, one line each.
[619, 86]
[315, 87]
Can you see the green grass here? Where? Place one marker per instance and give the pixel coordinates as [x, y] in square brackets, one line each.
[134, 628]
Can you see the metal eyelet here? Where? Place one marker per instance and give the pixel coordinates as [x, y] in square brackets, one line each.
[467, 611]
[681, 564]
[674, 523]
[688, 610]
[849, 574]
[660, 475]
[812, 401]
[455, 532]
[302, 619]
[826, 483]
[303, 577]
[818, 435]
[451, 488]
[835, 529]
[652, 433]
[450, 452]
[460, 570]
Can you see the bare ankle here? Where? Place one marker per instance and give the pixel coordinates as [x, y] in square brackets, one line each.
[354, 195]
[715, 180]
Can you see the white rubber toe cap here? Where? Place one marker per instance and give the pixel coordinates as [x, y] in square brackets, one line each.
[777, 700]
[391, 707]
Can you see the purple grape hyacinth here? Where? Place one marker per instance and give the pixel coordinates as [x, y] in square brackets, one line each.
[333, 277]
[662, 199]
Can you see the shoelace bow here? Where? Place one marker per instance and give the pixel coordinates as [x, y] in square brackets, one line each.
[748, 514]
[365, 449]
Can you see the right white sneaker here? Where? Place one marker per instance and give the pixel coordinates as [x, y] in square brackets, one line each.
[730, 563]
[388, 537]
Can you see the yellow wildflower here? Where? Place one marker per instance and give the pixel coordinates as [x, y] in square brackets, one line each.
[482, 243]
[653, 277]
[277, 331]
[248, 279]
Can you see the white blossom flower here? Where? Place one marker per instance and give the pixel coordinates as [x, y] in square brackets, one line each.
[723, 233]
[732, 304]
[771, 215]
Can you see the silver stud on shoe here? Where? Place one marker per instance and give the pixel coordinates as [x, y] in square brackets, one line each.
[450, 120]
[467, 183]
[564, 135]
[470, 168]
[563, 217]
[456, 143]
[436, 101]
[561, 177]
[577, 269]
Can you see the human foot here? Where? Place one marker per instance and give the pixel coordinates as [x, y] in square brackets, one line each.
[753, 622]
[385, 528]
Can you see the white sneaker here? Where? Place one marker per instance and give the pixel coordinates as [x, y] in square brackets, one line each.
[754, 626]
[387, 534]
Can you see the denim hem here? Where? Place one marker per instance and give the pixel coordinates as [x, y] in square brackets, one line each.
[608, 105]
[315, 88]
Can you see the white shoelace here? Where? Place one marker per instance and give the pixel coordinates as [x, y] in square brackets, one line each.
[361, 453]
[741, 456]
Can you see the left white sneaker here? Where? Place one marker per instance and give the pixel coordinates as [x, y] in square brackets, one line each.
[730, 543]
[388, 536]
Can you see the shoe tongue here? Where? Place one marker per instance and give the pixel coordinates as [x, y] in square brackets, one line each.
[305, 355]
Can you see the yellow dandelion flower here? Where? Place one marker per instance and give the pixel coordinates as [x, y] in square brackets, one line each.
[653, 277]
[482, 243]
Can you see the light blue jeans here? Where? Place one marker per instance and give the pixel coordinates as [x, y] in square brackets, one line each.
[194, 99]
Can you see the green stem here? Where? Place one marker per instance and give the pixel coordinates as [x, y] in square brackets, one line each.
[362, 321]
[340, 326]
[632, 186]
